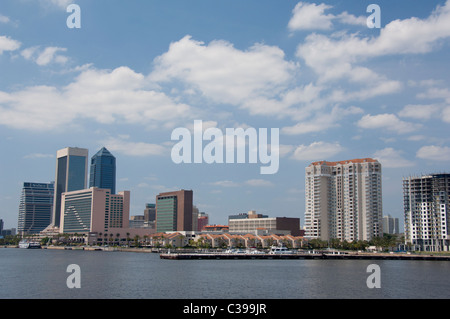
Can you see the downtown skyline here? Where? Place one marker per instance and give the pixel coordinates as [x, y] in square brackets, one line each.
[134, 72]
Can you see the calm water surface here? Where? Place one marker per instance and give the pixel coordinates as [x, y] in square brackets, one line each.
[35, 274]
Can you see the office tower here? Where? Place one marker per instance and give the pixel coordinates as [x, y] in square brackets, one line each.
[195, 213]
[257, 222]
[137, 221]
[426, 206]
[203, 221]
[71, 175]
[343, 200]
[103, 171]
[174, 211]
[35, 208]
[150, 212]
[1, 227]
[390, 225]
[94, 210]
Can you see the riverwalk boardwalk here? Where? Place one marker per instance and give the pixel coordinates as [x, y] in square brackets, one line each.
[331, 256]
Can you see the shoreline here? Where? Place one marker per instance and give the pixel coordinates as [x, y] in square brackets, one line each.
[323, 256]
[195, 254]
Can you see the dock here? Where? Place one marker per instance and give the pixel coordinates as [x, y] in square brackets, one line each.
[324, 256]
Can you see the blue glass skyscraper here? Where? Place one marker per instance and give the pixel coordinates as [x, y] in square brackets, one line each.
[103, 171]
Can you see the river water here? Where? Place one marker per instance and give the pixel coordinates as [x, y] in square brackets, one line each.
[42, 274]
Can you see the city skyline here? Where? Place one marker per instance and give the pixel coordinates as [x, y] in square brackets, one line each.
[133, 73]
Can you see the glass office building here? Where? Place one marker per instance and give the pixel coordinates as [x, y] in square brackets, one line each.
[71, 175]
[167, 213]
[35, 208]
[174, 211]
[103, 171]
[77, 210]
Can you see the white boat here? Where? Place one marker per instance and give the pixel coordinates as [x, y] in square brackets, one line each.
[334, 252]
[235, 251]
[275, 250]
[29, 244]
[254, 251]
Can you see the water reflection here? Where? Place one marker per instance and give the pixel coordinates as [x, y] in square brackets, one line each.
[105, 275]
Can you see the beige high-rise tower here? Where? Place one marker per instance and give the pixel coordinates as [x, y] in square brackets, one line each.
[343, 200]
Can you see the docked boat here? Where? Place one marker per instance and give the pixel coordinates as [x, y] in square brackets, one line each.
[334, 253]
[235, 251]
[275, 250]
[253, 251]
[29, 244]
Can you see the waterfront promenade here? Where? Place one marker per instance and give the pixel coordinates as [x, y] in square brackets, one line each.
[194, 254]
[317, 256]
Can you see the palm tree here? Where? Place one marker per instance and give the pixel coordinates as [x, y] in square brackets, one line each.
[136, 240]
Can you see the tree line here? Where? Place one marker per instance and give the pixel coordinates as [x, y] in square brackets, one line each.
[387, 242]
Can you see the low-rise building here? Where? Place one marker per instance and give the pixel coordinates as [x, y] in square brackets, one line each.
[249, 240]
[275, 225]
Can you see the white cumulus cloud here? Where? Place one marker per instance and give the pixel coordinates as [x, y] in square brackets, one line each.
[317, 151]
[391, 158]
[45, 56]
[223, 73]
[104, 96]
[8, 44]
[434, 153]
[387, 121]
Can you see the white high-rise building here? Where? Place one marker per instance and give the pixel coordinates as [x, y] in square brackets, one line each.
[343, 200]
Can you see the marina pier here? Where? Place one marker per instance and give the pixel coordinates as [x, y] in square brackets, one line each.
[320, 256]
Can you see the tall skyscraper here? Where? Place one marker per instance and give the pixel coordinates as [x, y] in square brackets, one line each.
[343, 200]
[174, 211]
[103, 170]
[35, 208]
[71, 175]
[426, 202]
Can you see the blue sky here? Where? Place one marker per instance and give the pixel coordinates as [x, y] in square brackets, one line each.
[136, 70]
